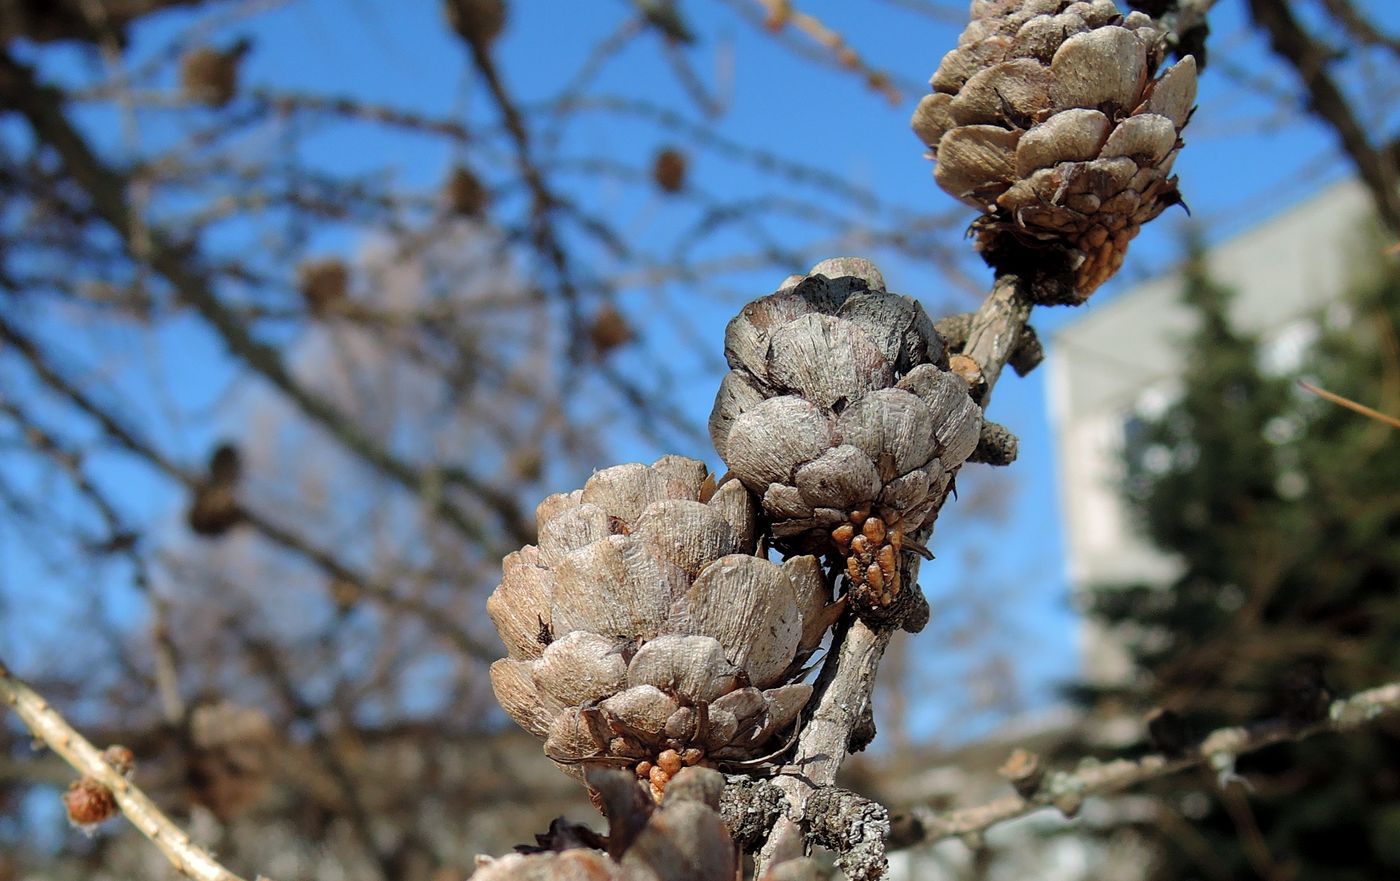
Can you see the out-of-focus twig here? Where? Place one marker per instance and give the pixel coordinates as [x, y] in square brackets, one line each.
[1309, 58]
[780, 14]
[1067, 790]
[1348, 403]
[47, 725]
[42, 108]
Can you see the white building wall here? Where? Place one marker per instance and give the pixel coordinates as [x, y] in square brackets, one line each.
[1125, 356]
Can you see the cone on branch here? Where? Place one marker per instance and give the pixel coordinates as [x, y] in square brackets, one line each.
[645, 631]
[1051, 118]
[479, 22]
[231, 760]
[209, 76]
[214, 507]
[324, 284]
[668, 170]
[464, 194]
[842, 416]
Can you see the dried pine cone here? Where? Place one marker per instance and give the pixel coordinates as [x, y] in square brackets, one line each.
[464, 193]
[232, 757]
[210, 76]
[1049, 117]
[841, 414]
[324, 284]
[479, 22]
[214, 508]
[609, 329]
[643, 631]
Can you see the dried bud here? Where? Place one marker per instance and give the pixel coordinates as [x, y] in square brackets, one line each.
[479, 22]
[1049, 117]
[210, 76]
[668, 170]
[1166, 732]
[121, 759]
[644, 632]
[89, 803]
[324, 284]
[840, 413]
[345, 594]
[231, 761]
[464, 193]
[609, 329]
[1024, 771]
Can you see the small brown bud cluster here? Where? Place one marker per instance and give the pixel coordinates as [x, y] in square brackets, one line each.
[667, 765]
[121, 759]
[872, 550]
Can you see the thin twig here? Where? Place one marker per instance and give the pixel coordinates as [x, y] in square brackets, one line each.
[1340, 401]
[1309, 58]
[1219, 749]
[47, 725]
[42, 108]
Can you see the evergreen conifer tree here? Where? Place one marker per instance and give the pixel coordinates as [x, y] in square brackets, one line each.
[1284, 513]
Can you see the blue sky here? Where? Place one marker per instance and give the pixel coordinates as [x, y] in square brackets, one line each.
[1244, 161]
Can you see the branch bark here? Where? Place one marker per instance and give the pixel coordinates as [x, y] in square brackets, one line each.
[842, 704]
[49, 726]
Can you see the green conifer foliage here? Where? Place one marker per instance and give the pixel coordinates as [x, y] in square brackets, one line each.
[1284, 512]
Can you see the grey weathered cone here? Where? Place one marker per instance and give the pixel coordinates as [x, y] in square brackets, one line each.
[645, 633]
[841, 414]
[1050, 117]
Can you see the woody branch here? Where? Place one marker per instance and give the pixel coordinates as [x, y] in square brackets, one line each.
[49, 726]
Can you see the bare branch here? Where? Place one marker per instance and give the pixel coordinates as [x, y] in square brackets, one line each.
[47, 725]
[42, 108]
[1309, 58]
[1066, 790]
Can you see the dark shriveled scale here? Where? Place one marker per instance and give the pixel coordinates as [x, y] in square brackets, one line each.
[840, 413]
[1051, 118]
[645, 633]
